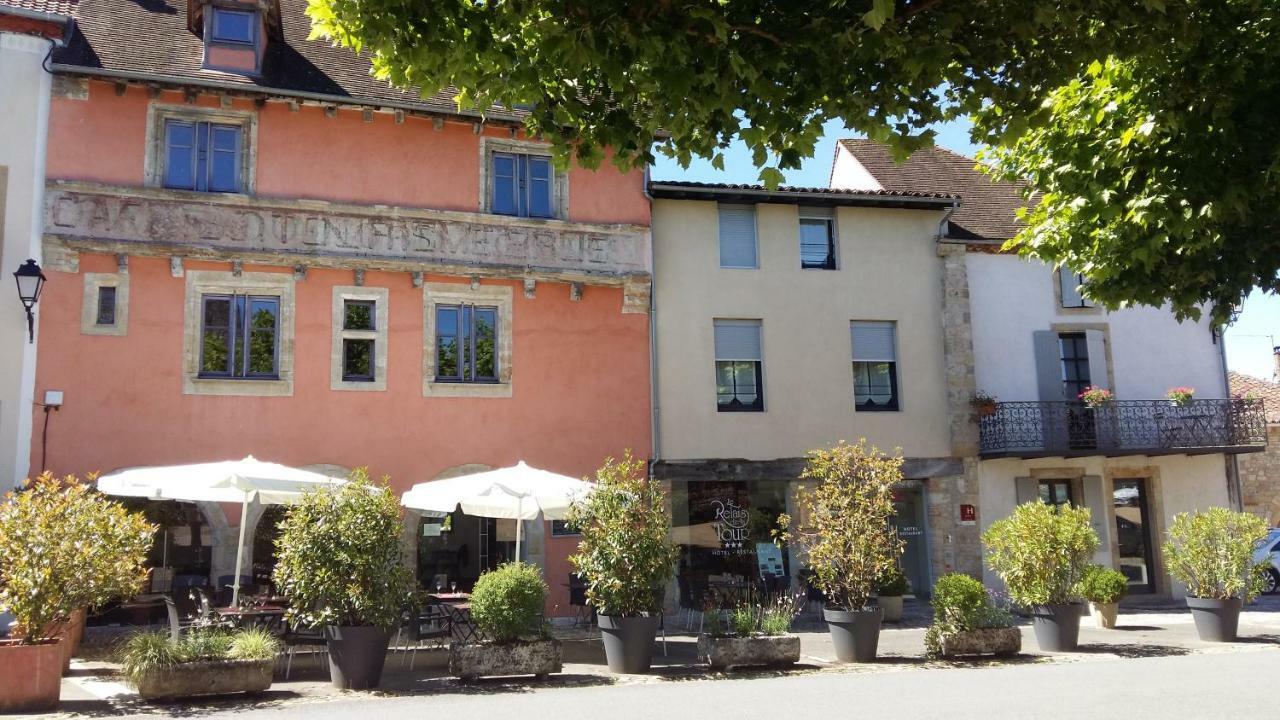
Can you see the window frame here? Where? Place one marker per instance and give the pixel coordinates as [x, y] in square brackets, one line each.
[379, 299]
[202, 152]
[155, 163]
[559, 180]
[240, 337]
[200, 283]
[254, 21]
[1079, 340]
[1053, 484]
[1061, 275]
[485, 295]
[102, 294]
[894, 403]
[757, 365]
[94, 283]
[828, 218]
[465, 323]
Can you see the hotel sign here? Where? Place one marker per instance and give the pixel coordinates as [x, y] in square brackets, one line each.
[236, 223]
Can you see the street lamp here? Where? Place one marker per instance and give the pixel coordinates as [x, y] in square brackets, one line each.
[30, 282]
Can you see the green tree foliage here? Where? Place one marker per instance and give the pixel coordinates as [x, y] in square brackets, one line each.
[63, 547]
[1211, 551]
[339, 560]
[1041, 552]
[506, 603]
[1148, 124]
[625, 552]
[844, 527]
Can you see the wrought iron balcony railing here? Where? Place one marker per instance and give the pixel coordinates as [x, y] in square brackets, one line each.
[1124, 427]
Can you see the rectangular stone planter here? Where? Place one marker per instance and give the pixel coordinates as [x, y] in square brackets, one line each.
[220, 677]
[727, 653]
[1000, 642]
[539, 658]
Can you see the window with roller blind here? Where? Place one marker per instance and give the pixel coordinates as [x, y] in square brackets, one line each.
[875, 365]
[739, 366]
[738, 247]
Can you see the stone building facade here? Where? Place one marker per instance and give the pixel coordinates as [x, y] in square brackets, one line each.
[1260, 473]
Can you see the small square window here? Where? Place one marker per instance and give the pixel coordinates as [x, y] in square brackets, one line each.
[106, 305]
[357, 360]
[233, 26]
[358, 315]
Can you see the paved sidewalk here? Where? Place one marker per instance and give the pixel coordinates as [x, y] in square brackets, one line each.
[1165, 630]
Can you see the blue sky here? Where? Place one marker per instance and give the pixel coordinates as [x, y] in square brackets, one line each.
[1249, 340]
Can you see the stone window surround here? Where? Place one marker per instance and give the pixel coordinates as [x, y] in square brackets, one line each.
[379, 296]
[158, 113]
[202, 282]
[461, 293]
[89, 306]
[490, 145]
[1056, 277]
[1102, 327]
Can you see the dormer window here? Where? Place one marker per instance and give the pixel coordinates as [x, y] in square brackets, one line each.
[233, 26]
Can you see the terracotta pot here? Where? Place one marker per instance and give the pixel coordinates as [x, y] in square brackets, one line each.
[32, 678]
[70, 632]
[1104, 614]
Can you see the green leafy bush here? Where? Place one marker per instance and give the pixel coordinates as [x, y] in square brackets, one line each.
[507, 603]
[150, 651]
[893, 583]
[625, 553]
[340, 559]
[63, 546]
[844, 522]
[1041, 552]
[1211, 551]
[960, 603]
[1103, 585]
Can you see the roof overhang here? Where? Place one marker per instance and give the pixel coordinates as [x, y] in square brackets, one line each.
[799, 196]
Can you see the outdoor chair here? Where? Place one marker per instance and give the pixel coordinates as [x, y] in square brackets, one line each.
[176, 623]
[578, 600]
[431, 623]
[297, 637]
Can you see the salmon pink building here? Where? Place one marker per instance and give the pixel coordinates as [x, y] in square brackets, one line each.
[255, 248]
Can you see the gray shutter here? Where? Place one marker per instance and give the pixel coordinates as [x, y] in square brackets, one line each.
[1096, 501]
[1048, 365]
[1097, 358]
[737, 339]
[1070, 290]
[1028, 489]
[738, 236]
[873, 342]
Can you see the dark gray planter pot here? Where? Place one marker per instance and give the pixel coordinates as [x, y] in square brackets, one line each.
[855, 635]
[206, 678]
[628, 642]
[539, 658]
[1001, 642]
[727, 653]
[1057, 626]
[1216, 620]
[356, 655]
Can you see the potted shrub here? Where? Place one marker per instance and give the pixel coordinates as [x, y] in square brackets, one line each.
[1096, 397]
[340, 566]
[758, 633]
[201, 662]
[1041, 552]
[1212, 553]
[63, 548]
[625, 556]
[506, 606]
[890, 588]
[1181, 396]
[966, 622]
[983, 403]
[850, 543]
[1104, 588]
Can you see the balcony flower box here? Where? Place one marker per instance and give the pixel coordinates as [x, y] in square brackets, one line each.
[730, 652]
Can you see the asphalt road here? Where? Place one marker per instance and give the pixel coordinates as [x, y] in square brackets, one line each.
[1204, 685]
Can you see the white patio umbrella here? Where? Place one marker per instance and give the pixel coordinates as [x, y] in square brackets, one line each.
[519, 492]
[230, 481]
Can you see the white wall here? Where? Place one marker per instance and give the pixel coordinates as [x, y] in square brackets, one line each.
[849, 174]
[24, 98]
[1010, 298]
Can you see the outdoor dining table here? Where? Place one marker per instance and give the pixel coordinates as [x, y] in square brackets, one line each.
[268, 617]
[457, 606]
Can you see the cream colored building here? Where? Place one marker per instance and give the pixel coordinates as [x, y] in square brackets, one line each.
[786, 321]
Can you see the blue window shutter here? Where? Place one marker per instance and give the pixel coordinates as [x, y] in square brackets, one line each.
[505, 184]
[738, 236]
[180, 152]
[540, 187]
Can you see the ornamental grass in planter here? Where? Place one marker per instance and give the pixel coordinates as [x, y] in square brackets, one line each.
[966, 622]
[340, 565]
[506, 606]
[1041, 552]
[201, 662]
[757, 633]
[1104, 588]
[63, 548]
[844, 529]
[625, 556]
[1212, 553]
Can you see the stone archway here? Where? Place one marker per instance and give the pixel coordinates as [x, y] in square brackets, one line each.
[257, 511]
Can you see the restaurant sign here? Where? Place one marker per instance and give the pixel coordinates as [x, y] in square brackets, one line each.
[730, 526]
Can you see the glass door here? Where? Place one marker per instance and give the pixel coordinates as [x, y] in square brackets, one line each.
[909, 520]
[1133, 533]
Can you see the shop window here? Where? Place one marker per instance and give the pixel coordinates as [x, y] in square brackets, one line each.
[875, 366]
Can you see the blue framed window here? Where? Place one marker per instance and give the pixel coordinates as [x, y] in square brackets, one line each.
[466, 343]
[233, 26]
[240, 337]
[202, 156]
[523, 185]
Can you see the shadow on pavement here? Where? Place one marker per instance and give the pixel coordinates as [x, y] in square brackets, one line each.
[1143, 650]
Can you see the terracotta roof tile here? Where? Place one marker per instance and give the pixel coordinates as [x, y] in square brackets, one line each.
[151, 37]
[988, 209]
[1241, 384]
